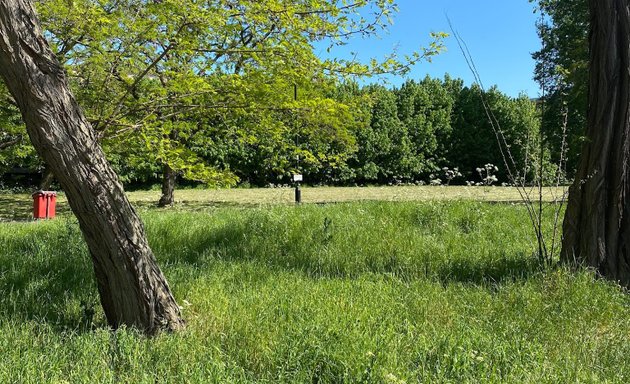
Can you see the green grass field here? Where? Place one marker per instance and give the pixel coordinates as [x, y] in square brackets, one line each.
[365, 292]
[18, 206]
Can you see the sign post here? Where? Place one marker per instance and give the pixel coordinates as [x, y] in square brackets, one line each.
[298, 193]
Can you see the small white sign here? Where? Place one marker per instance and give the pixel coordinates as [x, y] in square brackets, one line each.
[297, 178]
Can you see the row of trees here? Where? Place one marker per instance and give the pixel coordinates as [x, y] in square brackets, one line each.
[335, 133]
[422, 127]
[219, 107]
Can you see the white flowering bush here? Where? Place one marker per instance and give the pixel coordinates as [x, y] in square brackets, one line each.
[434, 180]
[487, 174]
[450, 174]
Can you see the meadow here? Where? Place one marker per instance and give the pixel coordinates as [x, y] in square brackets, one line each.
[17, 206]
[403, 291]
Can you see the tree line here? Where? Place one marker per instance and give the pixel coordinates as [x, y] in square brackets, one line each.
[335, 133]
[177, 91]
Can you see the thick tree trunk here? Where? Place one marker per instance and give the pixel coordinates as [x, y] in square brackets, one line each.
[597, 221]
[132, 288]
[168, 187]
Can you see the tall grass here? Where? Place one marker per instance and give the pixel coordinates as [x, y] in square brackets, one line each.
[361, 292]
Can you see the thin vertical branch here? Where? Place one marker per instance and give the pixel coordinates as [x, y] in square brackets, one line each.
[534, 210]
[542, 252]
[504, 149]
[561, 166]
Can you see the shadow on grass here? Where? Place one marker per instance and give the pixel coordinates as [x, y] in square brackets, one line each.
[19, 207]
[489, 273]
[46, 276]
[15, 208]
[193, 205]
[232, 242]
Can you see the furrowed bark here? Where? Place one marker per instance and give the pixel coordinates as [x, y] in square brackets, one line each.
[132, 288]
[596, 228]
[168, 187]
[47, 179]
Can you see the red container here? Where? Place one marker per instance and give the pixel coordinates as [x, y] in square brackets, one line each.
[44, 204]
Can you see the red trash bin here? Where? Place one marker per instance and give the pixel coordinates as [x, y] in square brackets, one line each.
[44, 204]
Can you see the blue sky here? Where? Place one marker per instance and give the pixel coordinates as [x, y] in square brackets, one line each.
[500, 34]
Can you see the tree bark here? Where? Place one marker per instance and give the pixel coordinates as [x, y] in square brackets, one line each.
[47, 179]
[596, 228]
[168, 187]
[132, 289]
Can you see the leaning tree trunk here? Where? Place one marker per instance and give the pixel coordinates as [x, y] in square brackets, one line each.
[597, 221]
[168, 187]
[132, 289]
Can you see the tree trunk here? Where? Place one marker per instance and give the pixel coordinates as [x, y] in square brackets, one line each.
[168, 187]
[47, 179]
[597, 221]
[132, 289]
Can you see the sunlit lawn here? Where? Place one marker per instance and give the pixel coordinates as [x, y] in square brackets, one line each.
[381, 292]
[18, 206]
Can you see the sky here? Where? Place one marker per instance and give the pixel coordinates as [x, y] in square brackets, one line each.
[500, 35]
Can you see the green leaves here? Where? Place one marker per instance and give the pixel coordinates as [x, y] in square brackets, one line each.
[562, 70]
[147, 69]
[15, 148]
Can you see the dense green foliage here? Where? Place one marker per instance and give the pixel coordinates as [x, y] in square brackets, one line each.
[562, 70]
[340, 134]
[208, 92]
[474, 142]
[16, 151]
[149, 74]
[346, 134]
[362, 292]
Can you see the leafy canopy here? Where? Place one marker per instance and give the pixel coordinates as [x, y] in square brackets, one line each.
[149, 71]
